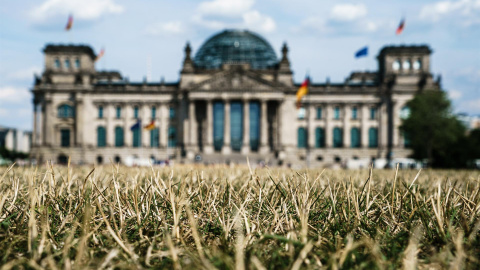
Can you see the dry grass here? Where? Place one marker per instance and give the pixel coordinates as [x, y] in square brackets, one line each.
[219, 217]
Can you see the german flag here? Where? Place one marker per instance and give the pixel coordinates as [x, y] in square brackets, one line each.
[401, 26]
[303, 90]
[150, 126]
[100, 55]
[69, 23]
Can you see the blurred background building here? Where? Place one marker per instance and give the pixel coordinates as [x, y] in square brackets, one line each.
[234, 98]
[15, 140]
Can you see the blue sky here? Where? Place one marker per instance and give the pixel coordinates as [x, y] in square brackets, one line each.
[322, 36]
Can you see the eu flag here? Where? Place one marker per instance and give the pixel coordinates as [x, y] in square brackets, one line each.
[136, 125]
[362, 52]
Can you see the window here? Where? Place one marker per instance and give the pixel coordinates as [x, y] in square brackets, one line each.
[218, 123]
[100, 112]
[118, 136]
[67, 63]
[396, 65]
[337, 137]
[319, 113]
[77, 63]
[301, 113]
[254, 114]
[372, 137]
[172, 136]
[373, 113]
[99, 159]
[137, 137]
[417, 65]
[302, 137]
[405, 112]
[236, 125]
[336, 113]
[154, 112]
[154, 137]
[354, 113]
[119, 112]
[407, 64]
[101, 137]
[172, 112]
[355, 137]
[135, 112]
[406, 140]
[117, 159]
[65, 137]
[319, 137]
[57, 63]
[65, 111]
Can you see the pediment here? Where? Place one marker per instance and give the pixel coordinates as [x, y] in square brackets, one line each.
[237, 81]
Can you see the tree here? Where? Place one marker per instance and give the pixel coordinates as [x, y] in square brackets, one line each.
[435, 133]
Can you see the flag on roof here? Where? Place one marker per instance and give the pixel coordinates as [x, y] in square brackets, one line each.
[362, 52]
[401, 26]
[303, 90]
[69, 23]
[150, 126]
[136, 125]
[100, 54]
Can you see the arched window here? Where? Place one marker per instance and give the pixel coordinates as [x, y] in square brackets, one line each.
[65, 111]
[119, 112]
[407, 64]
[319, 137]
[100, 112]
[117, 159]
[135, 112]
[67, 63]
[302, 137]
[396, 65]
[254, 113]
[137, 137]
[77, 63]
[57, 63]
[336, 112]
[172, 136]
[417, 65]
[404, 112]
[154, 112]
[101, 137]
[62, 159]
[337, 137]
[154, 137]
[319, 112]
[354, 113]
[118, 136]
[355, 137]
[372, 137]
[99, 159]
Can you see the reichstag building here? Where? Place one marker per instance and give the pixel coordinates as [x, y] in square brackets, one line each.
[235, 98]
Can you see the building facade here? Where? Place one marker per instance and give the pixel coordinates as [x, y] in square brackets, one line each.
[15, 140]
[233, 99]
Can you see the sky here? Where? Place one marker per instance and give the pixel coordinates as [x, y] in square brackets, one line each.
[147, 38]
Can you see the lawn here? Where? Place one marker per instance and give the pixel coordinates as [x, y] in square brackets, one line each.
[194, 217]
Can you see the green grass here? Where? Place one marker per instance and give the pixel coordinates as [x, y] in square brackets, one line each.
[194, 217]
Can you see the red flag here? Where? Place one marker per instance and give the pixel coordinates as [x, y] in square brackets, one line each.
[69, 23]
[401, 27]
[100, 54]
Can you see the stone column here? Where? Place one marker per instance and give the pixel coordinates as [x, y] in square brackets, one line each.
[382, 118]
[246, 127]
[163, 125]
[263, 128]
[79, 128]
[209, 125]
[49, 127]
[110, 128]
[311, 126]
[396, 124]
[328, 126]
[364, 123]
[41, 127]
[35, 122]
[193, 125]
[226, 149]
[127, 117]
[346, 126]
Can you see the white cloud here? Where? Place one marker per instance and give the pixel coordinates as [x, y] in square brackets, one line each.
[167, 28]
[13, 94]
[257, 21]
[226, 7]
[24, 74]
[348, 12]
[86, 10]
[219, 14]
[454, 94]
[467, 11]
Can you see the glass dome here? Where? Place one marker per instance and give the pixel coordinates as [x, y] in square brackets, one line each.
[235, 46]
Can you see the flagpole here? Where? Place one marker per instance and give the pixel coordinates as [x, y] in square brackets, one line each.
[307, 99]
